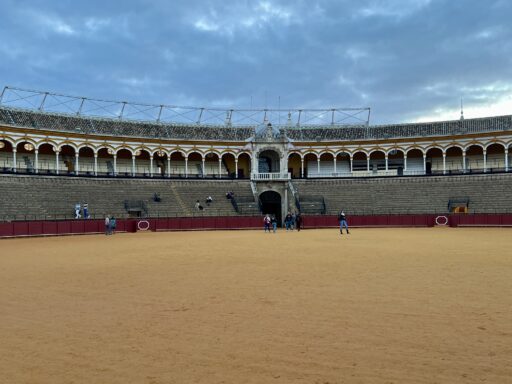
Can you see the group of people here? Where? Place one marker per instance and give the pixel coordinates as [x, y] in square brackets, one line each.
[199, 207]
[270, 223]
[291, 221]
[110, 225]
[79, 210]
[294, 221]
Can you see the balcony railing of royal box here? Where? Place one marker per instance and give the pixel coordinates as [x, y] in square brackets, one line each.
[271, 176]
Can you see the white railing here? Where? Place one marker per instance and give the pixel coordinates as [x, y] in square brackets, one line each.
[391, 172]
[271, 176]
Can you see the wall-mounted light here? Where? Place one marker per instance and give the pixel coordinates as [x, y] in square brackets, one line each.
[28, 147]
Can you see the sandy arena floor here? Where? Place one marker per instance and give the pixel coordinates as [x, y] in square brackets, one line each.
[378, 306]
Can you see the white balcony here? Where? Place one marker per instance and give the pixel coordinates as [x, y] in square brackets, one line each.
[271, 176]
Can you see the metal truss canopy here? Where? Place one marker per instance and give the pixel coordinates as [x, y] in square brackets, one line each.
[172, 114]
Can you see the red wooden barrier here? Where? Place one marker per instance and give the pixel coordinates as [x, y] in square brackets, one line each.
[43, 228]
[481, 220]
[20, 228]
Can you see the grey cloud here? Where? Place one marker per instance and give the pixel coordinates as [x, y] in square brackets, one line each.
[405, 59]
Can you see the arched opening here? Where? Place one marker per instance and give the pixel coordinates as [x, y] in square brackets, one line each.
[360, 162]
[244, 166]
[86, 160]
[343, 163]
[271, 204]
[268, 162]
[414, 163]
[454, 159]
[159, 163]
[495, 158]
[229, 164]
[195, 164]
[177, 164]
[396, 162]
[124, 162]
[474, 158]
[6, 156]
[326, 165]
[25, 157]
[377, 161]
[434, 162]
[310, 164]
[106, 162]
[212, 167]
[46, 158]
[294, 165]
[142, 162]
[67, 160]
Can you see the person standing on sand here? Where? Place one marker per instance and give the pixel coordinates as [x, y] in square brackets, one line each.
[266, 223]
[113, 224]
[342, 219]
[288, 221]
[107, 225]
[298, 221]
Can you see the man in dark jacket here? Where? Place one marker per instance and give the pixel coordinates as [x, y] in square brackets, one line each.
[298, 221]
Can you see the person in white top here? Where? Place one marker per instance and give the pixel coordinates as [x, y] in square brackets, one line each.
[107, 225]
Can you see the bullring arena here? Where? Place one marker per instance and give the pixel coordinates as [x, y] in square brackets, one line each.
[190, 291]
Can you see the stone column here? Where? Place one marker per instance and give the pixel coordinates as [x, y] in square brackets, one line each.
[77, 165]
[485, 160]
[506, 159]
[302, 167]
[236, 167]
[444, 163]
[169, 166]
[57, 162]
[254, 163]
[202, 167]
[151, 166]
[368, 163]
[95, 164]
[14, 165]
[463, 161]
[405, 162]
[133, 165]
[186, 166]
[115, 164]
[424, 163]
[334, 162]
[386, 158]
[220, 167]
[318, 166]
[36, 165]
[351, 164]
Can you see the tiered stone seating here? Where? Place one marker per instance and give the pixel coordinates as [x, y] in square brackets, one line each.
[44, 197]
[487, 193]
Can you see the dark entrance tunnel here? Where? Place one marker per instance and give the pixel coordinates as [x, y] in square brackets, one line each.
[271, 204]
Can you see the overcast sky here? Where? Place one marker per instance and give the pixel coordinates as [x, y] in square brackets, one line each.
[409, 60]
